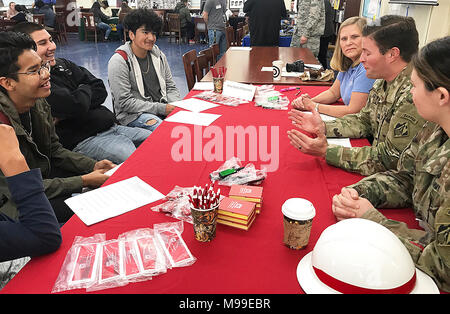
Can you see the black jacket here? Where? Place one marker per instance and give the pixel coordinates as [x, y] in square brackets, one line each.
[76, 100]
[265, 21]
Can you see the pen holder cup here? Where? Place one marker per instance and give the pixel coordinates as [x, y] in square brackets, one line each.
[204, 221]
[218, 84]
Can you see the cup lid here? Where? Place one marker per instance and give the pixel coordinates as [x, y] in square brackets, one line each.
[298, 209]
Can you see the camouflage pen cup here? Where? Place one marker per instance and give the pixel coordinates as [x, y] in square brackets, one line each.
[204, 221]
[298, 215]
[218, 84]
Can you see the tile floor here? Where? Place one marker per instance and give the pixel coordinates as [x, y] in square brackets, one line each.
[95, 57]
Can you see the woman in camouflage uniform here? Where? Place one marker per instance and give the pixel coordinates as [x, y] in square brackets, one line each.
[421, 180]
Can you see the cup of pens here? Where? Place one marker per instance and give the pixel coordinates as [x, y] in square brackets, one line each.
[218, 78]
[204, 204]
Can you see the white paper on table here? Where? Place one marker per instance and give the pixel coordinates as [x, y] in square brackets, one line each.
[112, 200]
[241, 48]
[111, 171]
[340, 141]
[239, 90]
[313, 66]
[194, 104]
[197, 118]
[266, 69]
[203, 86]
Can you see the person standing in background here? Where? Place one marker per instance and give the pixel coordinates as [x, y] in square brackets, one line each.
[328, 34]
[310, 25]
[265, 17]
[214, 16]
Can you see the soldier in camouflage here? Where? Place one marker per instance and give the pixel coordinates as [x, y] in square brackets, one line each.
[310, 25]
[421, 179]
[389, 116]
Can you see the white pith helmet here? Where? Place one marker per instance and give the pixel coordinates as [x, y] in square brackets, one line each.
[361, 256]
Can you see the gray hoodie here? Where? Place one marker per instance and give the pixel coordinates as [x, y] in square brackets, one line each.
[127, 86]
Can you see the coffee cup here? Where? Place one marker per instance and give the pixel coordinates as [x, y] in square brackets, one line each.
[298, 214]
[277, 66]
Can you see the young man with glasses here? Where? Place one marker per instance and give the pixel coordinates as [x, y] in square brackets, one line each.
[82, 123]
[24, 85]
[139, 74]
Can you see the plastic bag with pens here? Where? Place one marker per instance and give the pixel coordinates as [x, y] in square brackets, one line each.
[232, 172]
[267, 97]
[177, 204]
[95, 263]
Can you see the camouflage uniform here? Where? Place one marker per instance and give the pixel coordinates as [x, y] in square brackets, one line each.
[389, 116]
[421, 181]
[310, 23]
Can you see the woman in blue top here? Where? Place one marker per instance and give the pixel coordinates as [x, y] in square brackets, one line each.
[351, 84]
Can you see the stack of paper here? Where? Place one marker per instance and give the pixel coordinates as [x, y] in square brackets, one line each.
[248, 193]
[236, 213]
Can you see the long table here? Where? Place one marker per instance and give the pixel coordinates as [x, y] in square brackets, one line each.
[244, 66]
[236, 261]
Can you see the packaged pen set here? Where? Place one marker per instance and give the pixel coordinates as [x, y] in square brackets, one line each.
[94, 263]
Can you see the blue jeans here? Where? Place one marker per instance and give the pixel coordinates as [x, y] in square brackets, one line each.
[218, 37]
[105, 27]
[147, 121]
[115, 144]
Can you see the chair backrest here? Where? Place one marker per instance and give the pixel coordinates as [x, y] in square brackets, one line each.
[191, 69]
[174, 22]
[200, 25]
[38, 19]
[89, 21]
[216, 51]
[60, 22]
[239, 36]
[208, 53]
[203, 66]
[230, 36]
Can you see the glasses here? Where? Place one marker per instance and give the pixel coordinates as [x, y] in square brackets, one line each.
[46, 66]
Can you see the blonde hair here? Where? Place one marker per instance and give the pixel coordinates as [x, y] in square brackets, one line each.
[339, 62]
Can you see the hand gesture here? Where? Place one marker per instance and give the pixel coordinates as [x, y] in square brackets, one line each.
[349, 204]
[308, 121]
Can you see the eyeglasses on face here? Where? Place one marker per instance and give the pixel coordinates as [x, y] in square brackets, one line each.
[45, 66]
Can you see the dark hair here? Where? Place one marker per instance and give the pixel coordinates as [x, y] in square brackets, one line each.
[142, 17]
[95, 5]
[12, 45]
[21, 8]
[394, 31]
[432, 64]
[39, 3]
[27, 27]
[105, 3]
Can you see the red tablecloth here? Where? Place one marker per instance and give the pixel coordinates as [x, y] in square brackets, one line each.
[236, 261]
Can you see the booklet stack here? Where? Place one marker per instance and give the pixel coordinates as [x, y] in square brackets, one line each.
[236, 213]
[248, 193]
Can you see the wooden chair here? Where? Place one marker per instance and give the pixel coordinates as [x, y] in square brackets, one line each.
[230, 36]
[174, 26]
[216, 51]
[205, 60]
[89, 24]
[191, 68]
[6, 24]
[239, 36]
[60, 27]
[38, 19]
[200, 28]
